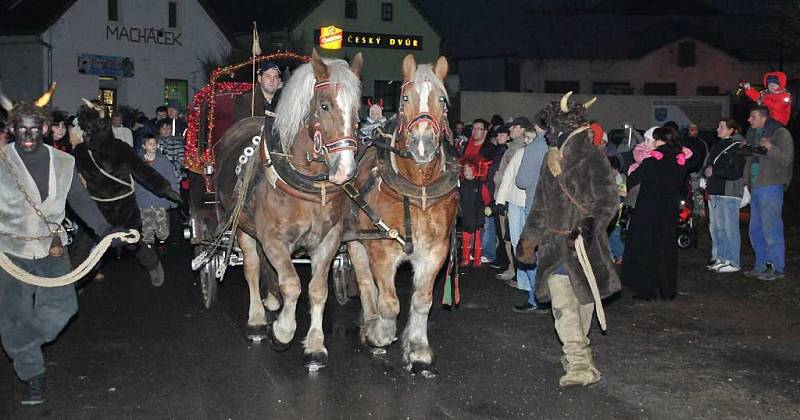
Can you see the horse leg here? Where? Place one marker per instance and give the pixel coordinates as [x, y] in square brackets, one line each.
[366, 286]
[256, 320]
[269, 283]
[417, 353]
[281, 332]
[383, 330]
[316, 355]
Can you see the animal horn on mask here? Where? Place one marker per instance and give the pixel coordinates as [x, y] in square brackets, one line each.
[5, 103]
[45, 98]
[99, 109]
[589, 103]
[369, 102]
[563, 105]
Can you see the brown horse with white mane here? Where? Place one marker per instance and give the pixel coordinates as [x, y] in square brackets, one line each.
[296, 202]
[410, 182]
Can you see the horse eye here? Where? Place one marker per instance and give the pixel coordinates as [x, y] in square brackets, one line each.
[441, 99]
[405, 98]
[324, 107]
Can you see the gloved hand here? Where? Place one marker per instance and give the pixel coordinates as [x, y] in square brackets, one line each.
[487, 211]
[760, 150]
[500, 209]
[586, 230]
[173, 195]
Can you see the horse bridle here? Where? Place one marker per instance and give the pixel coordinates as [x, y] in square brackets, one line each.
[334, 145]
[421, 117]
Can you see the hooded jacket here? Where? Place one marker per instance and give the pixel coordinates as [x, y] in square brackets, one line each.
[778, 103]
[727, 168]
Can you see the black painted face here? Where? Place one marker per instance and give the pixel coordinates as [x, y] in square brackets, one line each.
[556, 135]
[29, 134]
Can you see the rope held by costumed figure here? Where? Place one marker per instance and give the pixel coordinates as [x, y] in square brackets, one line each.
[583, 258]
[132, 236]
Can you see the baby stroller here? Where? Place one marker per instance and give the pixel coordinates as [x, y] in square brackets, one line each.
[687, 233]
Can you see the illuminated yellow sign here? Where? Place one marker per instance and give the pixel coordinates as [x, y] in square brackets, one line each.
[333, 38]
[330, 38]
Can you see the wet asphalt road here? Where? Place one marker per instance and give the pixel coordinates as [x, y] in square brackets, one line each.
[139, 352]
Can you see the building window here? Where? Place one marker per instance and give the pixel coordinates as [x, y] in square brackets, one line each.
[612, 88]
[390, 93]
[108, 96]
[176, 89]
[351, 9]
[562, 86]
[113, 11]
[686, 54]
[173, 14]
[512, 75]
[663, 89]
[707, 90]
[387, 12]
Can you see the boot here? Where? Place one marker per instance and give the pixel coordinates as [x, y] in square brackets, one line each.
[478, 249]
[157, 275]
[34, 391]
[466, 241]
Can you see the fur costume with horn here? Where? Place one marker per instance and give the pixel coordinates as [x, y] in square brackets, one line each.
[576, 195]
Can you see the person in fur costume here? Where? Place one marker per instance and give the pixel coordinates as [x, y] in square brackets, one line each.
[109, 167]
[576, 196]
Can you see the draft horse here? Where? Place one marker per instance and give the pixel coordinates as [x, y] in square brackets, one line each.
[411, 183]
[296, 202]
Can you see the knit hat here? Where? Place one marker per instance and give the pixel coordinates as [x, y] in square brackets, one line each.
[266, 65]
[648, 135]
[505, 128]
[773, 79]
[522, 122]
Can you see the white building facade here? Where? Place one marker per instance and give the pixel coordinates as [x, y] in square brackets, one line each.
[139, 53]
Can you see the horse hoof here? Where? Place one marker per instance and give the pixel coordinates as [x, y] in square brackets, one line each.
[315, 361]
[256, 333]
[426, 370]
[276, 344]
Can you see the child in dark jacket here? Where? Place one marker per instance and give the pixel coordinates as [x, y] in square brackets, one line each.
[474, 199]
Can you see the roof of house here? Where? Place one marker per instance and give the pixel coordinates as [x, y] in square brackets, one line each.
[624, 31]
[33, 17]
[276, 15]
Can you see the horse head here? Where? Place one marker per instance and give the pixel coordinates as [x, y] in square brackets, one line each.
[319, 106]
[423, 108]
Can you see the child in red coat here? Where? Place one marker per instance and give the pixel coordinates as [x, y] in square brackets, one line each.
[474, 197]
[774, 97]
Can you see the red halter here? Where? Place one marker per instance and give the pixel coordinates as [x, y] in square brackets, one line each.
[334, 145]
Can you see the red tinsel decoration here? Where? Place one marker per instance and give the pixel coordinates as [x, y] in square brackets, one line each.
[195, 161]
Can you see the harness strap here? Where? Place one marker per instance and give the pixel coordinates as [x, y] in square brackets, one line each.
[408, 248]
[113, 178]
[376, 220]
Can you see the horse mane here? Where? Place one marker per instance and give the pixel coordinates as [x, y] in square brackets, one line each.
[295, 103]
[425, 73]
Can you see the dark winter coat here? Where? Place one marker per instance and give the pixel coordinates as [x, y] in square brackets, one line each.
[494, 153]
[117, 158]
[650, 259]
[473, 198]
[241, 107]
[727, 168]
[586, 175]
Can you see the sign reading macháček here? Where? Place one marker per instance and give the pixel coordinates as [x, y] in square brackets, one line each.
[334, 38]
[143, 35]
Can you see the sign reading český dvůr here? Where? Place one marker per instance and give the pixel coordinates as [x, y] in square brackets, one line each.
[375, 40]
[143, 35]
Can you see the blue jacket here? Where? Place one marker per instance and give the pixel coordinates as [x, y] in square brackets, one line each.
[528, 174]
[145, 198]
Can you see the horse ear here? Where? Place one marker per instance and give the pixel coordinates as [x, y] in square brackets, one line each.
[440, 69]
[356, 63]
[409, 67]
[320, 69]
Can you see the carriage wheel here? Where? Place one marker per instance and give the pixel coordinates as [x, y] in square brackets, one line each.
[343, 277]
